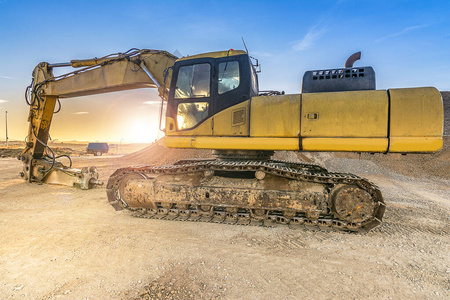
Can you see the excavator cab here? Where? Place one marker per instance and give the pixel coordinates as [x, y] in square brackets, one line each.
[206, 84]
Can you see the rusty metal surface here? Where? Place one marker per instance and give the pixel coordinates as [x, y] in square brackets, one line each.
[223, 192]
[242, 193]
[352, 204]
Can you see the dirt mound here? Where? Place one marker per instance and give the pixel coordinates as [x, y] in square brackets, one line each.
[318, 158]
[9, 152]
[157, 154]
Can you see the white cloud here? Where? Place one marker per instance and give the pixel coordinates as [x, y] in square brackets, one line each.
[3, 101]
[404, 31]
[80, 113]
[309, 39]
[7, 77]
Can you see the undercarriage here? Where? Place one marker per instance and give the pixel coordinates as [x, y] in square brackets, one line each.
[234, 190]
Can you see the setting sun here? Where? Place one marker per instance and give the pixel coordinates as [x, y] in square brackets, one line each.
[141, 131]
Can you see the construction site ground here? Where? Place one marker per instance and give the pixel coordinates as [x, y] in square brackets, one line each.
[62, 242]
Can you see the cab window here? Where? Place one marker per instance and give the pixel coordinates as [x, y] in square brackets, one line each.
[190, 114]
[255, 89]
[228, 76]
[193, 81]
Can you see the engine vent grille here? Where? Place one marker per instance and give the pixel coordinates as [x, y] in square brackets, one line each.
[239, 117]
[335, 80]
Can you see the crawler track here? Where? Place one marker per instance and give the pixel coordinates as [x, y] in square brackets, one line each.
[337, 207]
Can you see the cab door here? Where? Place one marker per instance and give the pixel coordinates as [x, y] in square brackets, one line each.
[232, 98]
[190, 100]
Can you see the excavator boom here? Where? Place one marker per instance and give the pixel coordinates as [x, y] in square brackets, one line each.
[123, 71]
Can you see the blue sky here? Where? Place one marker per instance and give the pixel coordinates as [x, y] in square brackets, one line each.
[407, 43]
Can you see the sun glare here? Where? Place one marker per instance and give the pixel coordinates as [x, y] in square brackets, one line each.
[141, 131]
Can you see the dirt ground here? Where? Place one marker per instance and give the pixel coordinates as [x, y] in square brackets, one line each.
[62, 242]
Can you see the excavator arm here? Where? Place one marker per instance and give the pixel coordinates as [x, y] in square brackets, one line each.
[117, 72]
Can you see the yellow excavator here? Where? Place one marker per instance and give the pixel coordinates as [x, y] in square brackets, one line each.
[213, 101]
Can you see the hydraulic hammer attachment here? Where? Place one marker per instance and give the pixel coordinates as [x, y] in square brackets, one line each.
[54, 172]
